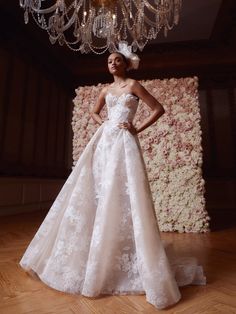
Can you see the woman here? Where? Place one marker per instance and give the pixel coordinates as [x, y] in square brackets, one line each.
[101, 235]
[118, 65]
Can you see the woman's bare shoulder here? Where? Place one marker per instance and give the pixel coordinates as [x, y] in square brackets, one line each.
[104, 91]
[134, 85]
[131, 81]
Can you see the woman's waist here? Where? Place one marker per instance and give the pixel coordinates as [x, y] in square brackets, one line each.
[115, 120]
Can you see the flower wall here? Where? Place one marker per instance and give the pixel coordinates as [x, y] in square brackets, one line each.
[171, 148]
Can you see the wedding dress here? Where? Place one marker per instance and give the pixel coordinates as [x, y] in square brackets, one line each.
[101, 235]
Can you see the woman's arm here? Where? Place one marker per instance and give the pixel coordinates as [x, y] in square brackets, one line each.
[147, 98]
[94, 113]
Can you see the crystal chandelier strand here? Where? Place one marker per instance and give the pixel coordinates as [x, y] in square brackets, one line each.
[128, 19]
[40, 24]
[93, 49]
[126, 15]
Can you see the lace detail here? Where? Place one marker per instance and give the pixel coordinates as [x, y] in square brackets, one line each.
[101, 235]
[121, 108]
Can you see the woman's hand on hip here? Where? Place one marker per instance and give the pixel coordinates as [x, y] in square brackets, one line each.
[128, 126]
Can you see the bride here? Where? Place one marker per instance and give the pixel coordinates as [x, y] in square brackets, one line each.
[101, 235]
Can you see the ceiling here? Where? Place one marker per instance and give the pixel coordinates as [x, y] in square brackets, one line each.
[197, 20]
[203, 41]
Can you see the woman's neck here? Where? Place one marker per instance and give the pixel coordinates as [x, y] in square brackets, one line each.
[118, 80]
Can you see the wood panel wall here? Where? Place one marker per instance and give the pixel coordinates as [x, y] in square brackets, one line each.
[218, 124]
[24, 194]
[218, 121]
[35, 121]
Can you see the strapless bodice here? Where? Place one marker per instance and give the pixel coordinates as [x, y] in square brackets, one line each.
[121, 108]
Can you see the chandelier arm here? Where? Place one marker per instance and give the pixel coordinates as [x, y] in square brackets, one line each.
[66, 41]
[150, 7]
[67, 26]
[165, 11]
[76, 6]
[70, 22]
[153, 24]
[28, 4]
[53, 7]
[153, 10]
[150, 22]
[44, 11]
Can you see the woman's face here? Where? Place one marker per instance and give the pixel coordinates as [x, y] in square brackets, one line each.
[116, 64]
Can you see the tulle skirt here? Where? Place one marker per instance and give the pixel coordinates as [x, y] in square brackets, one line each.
[101, 235]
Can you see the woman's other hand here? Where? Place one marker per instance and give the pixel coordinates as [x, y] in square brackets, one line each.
[128, 126]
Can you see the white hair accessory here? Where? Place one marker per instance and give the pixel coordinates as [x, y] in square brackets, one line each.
[126, 50]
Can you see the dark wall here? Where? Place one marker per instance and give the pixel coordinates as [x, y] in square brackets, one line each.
[218, 121]
[35, 117]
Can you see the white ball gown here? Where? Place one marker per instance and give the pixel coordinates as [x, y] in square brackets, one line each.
[101, 235]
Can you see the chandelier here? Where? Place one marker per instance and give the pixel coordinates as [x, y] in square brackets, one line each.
[99, 25]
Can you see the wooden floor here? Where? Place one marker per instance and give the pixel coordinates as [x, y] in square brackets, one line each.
[19, 293]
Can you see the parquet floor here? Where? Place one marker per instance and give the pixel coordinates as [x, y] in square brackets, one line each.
[21, 294]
